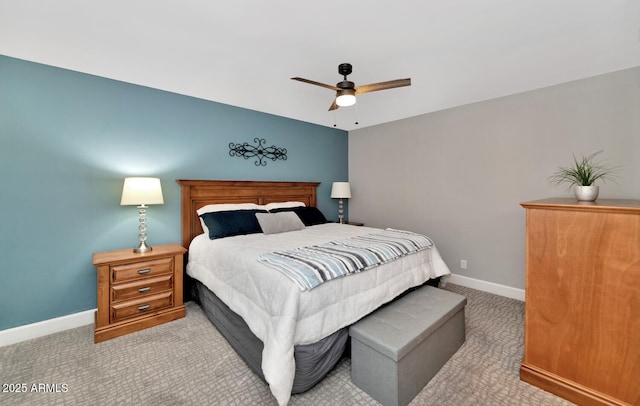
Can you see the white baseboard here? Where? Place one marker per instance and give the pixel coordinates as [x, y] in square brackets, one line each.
[46, 327]
[485, 286]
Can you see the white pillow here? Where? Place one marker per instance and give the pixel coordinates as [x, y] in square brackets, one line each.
[229, 206]
[225, 207]
[273, 223]
[282, 205]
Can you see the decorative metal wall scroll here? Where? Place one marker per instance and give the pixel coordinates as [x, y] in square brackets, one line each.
[258, 151]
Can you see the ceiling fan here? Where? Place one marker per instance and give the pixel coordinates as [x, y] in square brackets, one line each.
[346, 90]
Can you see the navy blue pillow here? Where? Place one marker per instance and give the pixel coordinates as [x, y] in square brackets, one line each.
[310, 216]
[232, 222]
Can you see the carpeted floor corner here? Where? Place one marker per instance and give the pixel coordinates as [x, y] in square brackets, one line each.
[187, 362]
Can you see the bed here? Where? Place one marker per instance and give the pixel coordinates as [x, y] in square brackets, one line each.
[289, 336]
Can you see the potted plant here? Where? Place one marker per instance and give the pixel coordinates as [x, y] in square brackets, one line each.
[582, 175]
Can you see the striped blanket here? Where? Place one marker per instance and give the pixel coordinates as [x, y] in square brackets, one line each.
[311, 266]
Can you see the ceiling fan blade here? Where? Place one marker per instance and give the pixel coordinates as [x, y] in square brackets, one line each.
[312, 82]
[334, 105]
[383, 85]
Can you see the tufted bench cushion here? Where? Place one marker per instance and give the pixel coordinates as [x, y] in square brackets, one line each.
[398, 348]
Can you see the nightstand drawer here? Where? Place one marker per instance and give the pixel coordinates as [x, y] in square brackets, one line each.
[142, 269]
[134, 308]
[138, 289]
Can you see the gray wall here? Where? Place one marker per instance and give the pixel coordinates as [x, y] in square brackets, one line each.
[459, 175]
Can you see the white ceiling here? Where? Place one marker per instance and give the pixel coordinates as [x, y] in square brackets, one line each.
[243, 53]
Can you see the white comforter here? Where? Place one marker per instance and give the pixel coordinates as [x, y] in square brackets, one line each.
[282, 315]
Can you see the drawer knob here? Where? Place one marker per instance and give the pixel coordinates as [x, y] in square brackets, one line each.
[143, 308]
[144, 271]
[143, 290]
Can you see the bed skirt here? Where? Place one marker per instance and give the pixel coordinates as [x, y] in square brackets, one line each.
[313, 361]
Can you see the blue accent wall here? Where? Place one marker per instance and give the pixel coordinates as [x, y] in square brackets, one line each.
[67, 141]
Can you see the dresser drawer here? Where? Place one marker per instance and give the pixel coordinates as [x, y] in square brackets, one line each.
[142, 288]
[142, 269]
[139, 307]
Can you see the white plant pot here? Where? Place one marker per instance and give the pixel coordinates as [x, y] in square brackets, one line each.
[586, 193]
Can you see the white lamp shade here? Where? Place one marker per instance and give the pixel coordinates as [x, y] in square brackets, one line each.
[141, 191]
[346, 97]
[340, 190]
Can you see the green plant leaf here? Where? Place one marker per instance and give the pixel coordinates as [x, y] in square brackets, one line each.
[584, 172]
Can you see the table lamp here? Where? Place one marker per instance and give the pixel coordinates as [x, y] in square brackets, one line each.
[141, 192]
[340, 190]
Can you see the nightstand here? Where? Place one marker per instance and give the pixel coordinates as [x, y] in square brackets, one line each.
[354, 223]
[138, 290]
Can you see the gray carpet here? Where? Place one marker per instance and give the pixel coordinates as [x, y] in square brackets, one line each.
[187, 362]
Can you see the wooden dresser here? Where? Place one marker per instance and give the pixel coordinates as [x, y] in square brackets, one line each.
[582, 317]
[138, 290]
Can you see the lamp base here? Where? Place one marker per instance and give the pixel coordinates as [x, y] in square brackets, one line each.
[142, 228]
[143, 247]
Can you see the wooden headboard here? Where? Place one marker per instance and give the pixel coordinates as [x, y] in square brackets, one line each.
[199, 193]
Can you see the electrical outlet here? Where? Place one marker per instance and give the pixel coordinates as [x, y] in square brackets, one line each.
[463, 264]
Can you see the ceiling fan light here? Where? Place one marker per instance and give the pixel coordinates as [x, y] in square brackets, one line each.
[346, 97]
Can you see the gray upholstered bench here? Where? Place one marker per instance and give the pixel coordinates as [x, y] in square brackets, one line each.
[398, 348]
